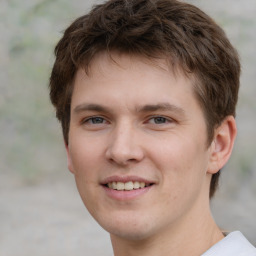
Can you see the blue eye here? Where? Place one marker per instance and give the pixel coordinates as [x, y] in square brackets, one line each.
[158, 120]
[96, 120]
[94, 123]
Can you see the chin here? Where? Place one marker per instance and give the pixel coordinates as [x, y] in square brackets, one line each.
[130, 228]
[130, 234]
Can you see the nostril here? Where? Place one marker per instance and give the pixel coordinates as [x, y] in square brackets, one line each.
[124, 149]
[122, 160]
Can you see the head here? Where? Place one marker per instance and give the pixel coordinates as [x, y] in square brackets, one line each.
[180, 33]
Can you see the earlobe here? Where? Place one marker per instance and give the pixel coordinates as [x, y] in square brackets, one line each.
[222, 144]
[69, 160]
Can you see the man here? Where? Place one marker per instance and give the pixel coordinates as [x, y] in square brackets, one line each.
[146, 92]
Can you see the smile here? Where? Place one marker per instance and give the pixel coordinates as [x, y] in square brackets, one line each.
[130, 185]
[123, 188]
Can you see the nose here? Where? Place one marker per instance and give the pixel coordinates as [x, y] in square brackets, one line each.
[124, 146]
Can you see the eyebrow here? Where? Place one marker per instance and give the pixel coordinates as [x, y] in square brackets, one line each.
[146, 108]
[90, 107]
[162, 107]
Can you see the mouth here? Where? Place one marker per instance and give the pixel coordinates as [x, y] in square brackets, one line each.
[127, 186]
[123, 188]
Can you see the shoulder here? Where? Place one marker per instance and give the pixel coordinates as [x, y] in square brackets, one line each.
[234, 244]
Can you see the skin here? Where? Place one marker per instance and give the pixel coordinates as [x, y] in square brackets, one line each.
[130, 117]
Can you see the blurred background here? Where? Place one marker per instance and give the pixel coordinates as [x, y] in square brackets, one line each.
[40, 210]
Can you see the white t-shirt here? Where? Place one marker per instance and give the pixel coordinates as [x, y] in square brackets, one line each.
[234, 244]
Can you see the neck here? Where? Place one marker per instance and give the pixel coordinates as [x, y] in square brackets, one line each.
[175, 243]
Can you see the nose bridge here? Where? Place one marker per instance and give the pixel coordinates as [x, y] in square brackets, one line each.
[124, 145]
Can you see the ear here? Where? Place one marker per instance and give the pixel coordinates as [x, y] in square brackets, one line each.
[69, 160]
[222, 144]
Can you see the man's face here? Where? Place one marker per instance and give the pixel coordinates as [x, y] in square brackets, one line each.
[137, 146]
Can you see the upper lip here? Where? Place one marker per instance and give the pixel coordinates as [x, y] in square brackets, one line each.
[125, 179]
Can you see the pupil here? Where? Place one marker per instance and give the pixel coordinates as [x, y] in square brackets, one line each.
[97, 120]
[159, 120]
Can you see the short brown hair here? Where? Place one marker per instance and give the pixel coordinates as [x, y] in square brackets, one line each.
[181, 32]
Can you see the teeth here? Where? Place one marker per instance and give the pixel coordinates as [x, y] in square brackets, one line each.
[114, 185]
[130, 185]
[142, 184]
[136, 185]
[120, 186]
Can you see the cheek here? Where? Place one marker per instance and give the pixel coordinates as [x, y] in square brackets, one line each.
[84, 153]
[176, 156]
[182, 164]
[85, 159]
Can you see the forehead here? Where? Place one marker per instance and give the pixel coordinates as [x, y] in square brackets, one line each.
[103, 64]
[134, 80]
[126, 61]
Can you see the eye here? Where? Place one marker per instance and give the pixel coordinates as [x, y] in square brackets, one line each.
[94, 120]
[158, 120]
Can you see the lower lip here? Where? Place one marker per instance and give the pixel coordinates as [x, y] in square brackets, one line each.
[123, 195]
